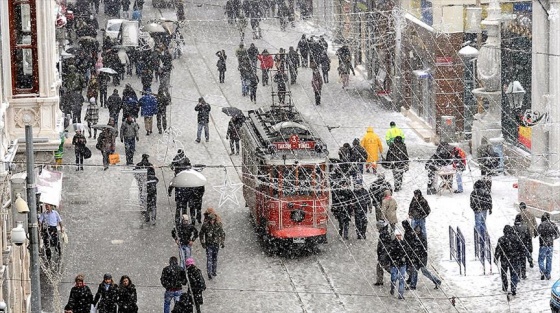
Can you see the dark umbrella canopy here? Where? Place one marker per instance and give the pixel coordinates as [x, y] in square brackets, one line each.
[232, 111]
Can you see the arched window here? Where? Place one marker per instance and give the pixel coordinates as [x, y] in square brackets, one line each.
[23, 45]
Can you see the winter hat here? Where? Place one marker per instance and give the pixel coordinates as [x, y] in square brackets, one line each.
[145, 156]
[92, 100]
[417, 192]
[189, 262]
[522, 205]
[107, 276]
[185, 217]
[356, 142]
[392, 124]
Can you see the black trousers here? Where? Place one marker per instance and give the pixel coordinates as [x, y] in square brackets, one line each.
[50, 239]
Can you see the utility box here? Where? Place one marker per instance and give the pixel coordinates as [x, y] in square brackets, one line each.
[447, 129]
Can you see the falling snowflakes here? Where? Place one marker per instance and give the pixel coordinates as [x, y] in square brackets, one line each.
[552, 14]
[168, 145]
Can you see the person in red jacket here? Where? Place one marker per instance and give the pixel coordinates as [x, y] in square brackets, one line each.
[267, 62]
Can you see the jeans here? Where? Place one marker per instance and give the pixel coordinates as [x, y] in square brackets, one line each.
[175, 295]
[79, 158]
[222, 76]
[425, 272]
[184, 254]
[420, 222]
[317, 98]
[244, 86]
[459, 176]
[199, 131]
[212, 259]
[545, 254]
[129, 149]
[343, 224]
[398, 273]
[480, 221]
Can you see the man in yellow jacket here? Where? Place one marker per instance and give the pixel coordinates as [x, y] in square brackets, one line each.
[392, 133]
[372, 143]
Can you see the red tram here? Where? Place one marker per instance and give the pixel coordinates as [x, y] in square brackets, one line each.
[285, 181]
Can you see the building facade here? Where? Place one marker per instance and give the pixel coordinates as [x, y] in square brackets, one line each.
[29, 95]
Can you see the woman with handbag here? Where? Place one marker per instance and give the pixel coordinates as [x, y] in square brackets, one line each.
[397, 156]
[79, 141]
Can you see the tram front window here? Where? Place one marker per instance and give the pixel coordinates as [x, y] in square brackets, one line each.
[297, 181]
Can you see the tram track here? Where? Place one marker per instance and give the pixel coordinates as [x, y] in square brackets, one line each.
[281, 262]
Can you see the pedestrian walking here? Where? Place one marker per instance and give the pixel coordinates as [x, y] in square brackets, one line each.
[303, 49]
[203, 118]
[252, 53]
[221, 64]
[114, 104]
[389, 209]
[49, 220]
[459, 164]
[293, 64]
[325, 63]
[93, 88]
[481, 204]
[107, 295]
[417, 256]
[360, 208]
[392, 133]
[509, 252]
[212, 237]
[267, 62]
[184, 234]
[418, 210]
[316, 83]
[182, 197]
[280, 79]
[233, 131]
[173, 278]
[103, 79]
[253, 85]
[376, 192]
[372, 143]
[342, 208]
[398, 257]
[80, 298]
[148, 108]
[77, 103]
[129, 136]
[180, 162]
[345, 156]
[548, 232]
[92, 117]
[522, 232]
[383, 248]
[196, 283]
[79, 141]
[344, 73]
[127, 296]
[163, 100]
[195, 204]
[358, 157]
[528, 219]
[106, 144]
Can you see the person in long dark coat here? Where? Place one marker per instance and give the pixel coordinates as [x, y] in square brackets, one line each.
[127, 296]
[418, 210]
[342, 208]
[522, 232]
[221, 64]
[325, 66]
[280, 79]
[233, 135]
[106, 296]
[196, 283]
[184, 305]
[316, 83]
[303, 49]
[81, 298]
[398, 257]
[417, 253]
[398, 156]
[163, 100]
[376, 190]
[509, 252]
[383, 247]
[361, 203]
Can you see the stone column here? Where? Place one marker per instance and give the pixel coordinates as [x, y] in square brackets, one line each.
[554, 89]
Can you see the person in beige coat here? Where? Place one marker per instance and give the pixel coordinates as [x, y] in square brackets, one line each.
[528, 219]
[389, 209]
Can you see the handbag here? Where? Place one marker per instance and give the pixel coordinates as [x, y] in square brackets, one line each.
[86, 153]
[114, 158]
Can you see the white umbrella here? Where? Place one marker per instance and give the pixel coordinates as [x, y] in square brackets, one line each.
[107, 70]
[154, 28]
[188, 178]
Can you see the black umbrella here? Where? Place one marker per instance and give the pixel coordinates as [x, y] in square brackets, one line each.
[232, 111]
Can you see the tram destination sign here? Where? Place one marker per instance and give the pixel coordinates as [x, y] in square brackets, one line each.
[291, 146]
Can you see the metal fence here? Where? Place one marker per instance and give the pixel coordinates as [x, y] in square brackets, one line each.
[483, 249]
[457, 249]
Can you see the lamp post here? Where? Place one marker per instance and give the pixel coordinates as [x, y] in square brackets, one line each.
[469, 55]
[33, 222]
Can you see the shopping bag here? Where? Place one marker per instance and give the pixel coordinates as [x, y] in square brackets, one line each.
[87, 153]
[114, 158]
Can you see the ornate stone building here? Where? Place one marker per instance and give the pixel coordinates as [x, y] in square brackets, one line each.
[29, 95]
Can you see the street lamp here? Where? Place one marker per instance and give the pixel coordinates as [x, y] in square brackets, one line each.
[515, 93]
[20, 204]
